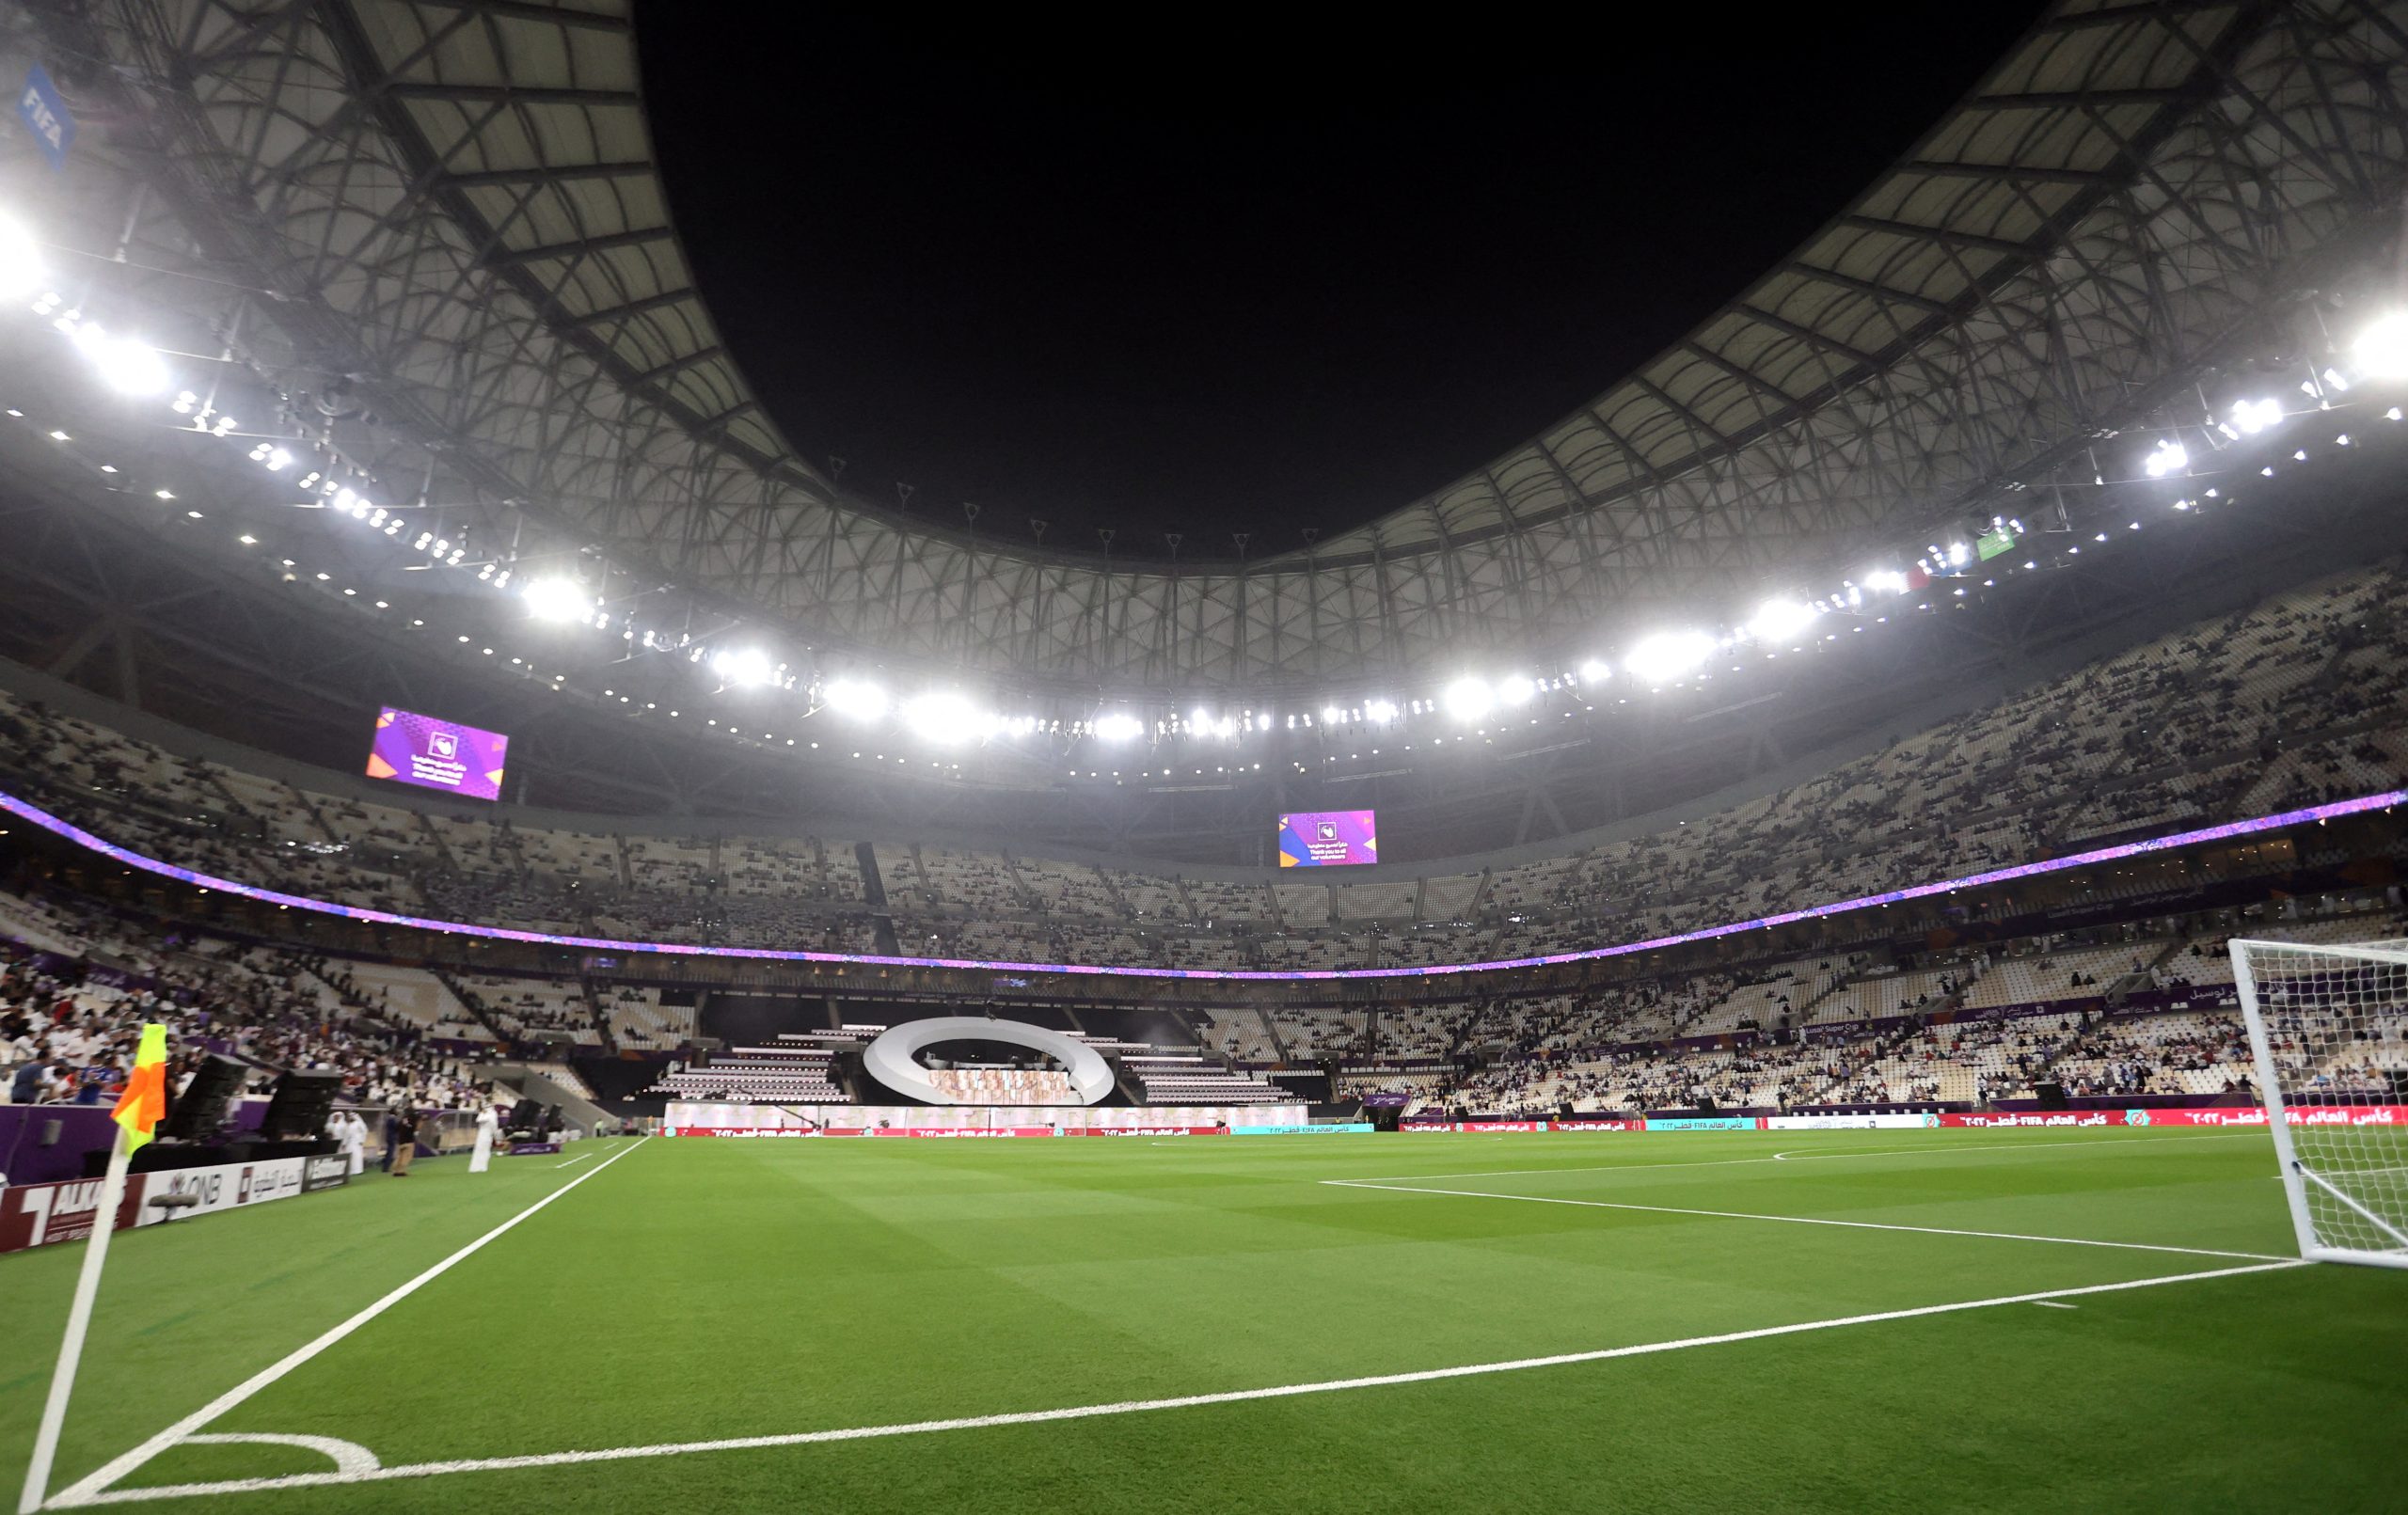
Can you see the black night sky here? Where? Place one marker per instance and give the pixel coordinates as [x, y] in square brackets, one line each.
[1210, 277]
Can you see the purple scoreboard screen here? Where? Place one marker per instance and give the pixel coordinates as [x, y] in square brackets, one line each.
[1320, 838]
[437, 754]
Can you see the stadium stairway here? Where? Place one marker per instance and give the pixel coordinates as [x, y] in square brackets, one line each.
[541, 1088]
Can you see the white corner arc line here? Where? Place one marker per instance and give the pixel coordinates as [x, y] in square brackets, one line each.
[1128, 1407]
[89, 1487]
[348, 1456]
[1805, 1220]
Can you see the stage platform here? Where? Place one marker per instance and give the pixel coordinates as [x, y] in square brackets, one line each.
[720, 1118]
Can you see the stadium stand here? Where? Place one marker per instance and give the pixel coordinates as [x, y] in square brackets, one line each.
[2295, 700]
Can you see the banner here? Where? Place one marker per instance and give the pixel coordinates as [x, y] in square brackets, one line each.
[2036, 1117]
[1848, 1123]
[1301, 1131]
[773, 1131]
[1702, 1122]
[46, 116]
[1586, 1124]
[1144, 1130]
[964, 1130]
[330, 1172]
[2296, 1115]
[34, 1215]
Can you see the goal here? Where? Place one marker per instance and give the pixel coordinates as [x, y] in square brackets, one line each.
[2328, 1024]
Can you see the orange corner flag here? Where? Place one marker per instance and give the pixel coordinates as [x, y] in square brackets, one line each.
[144, 1102]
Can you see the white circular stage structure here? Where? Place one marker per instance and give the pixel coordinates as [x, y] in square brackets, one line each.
[893, 1060]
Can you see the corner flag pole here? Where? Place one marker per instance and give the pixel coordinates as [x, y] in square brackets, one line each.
[79, 1317]
[137, 1113]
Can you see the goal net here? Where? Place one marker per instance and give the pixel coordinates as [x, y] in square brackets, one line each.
[2328, 1024]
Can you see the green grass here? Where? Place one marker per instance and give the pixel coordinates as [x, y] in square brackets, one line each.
[701, 1290]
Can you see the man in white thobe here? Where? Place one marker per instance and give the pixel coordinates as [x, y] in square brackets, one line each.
[354, 1143]
[487, 1124]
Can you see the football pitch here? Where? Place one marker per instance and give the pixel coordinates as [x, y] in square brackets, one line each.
[1842, 1320]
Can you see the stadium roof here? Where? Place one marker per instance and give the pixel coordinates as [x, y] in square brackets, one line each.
[455, 203]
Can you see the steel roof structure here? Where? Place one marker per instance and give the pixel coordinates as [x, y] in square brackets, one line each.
[454, 205]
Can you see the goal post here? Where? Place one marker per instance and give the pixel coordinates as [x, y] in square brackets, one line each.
[2328, 1027]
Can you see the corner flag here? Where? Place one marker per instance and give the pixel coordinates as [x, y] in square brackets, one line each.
[138, 1111]
[140, 1108]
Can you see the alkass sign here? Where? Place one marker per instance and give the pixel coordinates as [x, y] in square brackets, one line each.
[34, 1215]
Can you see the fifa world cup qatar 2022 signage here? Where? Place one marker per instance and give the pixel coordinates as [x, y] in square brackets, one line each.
[437, 754]
[1330, 838]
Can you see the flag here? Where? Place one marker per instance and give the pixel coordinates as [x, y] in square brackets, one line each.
[145, 1099]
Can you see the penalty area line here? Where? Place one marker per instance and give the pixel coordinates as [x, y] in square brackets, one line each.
[1798, 1220]
[93, 1485]
[1125, 1407]
[1802, 1155]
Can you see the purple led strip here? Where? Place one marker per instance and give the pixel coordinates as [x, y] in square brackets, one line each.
[77, 834]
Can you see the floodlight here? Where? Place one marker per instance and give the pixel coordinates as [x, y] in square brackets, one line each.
[1779, 620]
[2381, 349]
[1517, 689]
[1669, 655]
[2168, 457]
[555, 599]
[1595, 671]
[1380, 712]
[2255, 416]
[127, 366]
[1469, 697]
[1888, 580]
[857, 699]
[21, 267]
[1119, 726]
[743, 667]
[943, 715]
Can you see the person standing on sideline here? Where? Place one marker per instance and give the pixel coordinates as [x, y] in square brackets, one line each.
[354, 1143]
[487, 1124]
[403, 1139]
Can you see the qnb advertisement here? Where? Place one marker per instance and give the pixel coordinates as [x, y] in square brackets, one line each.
[437, 754]
[1329, 838]
[36, 1215]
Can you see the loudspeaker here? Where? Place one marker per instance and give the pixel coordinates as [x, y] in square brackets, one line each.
[195, 1114]
[298, 1109]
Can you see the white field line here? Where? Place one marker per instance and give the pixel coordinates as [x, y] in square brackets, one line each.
[2055, 1305]
[1126, 1407]
[579, 1158]
[1796, 1219]
[1801, 1155]
[118, 1467]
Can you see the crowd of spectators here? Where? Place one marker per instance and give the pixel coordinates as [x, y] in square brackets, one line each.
[68, 1028]
[2297, 700]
